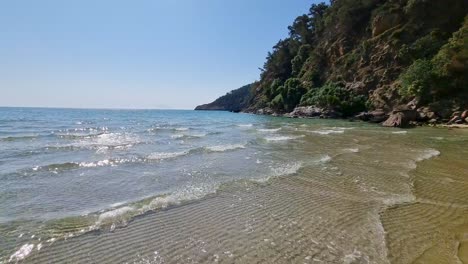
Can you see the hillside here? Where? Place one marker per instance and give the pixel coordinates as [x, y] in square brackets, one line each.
[407, 59]
[234, 101]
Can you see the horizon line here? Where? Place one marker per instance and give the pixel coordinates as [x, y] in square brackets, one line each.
[98, 108]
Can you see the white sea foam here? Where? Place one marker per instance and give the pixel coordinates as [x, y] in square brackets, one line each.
[95, 164]
[221, 148]
[22, 253]
[400, 132]
[245, 125]
[106, 162]
[198, 135]
[189, 193]
[166, 155]
[328, 131]
[324, 159]
[287, 169]
[352, 150]
[283, 138]
[399, 199]
[269, 130]
[283, 170]
[176, 136]
[355, 257]
[182, 129]
[428, 154]
[114, 214]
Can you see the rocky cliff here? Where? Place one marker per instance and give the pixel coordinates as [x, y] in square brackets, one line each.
[378, 59]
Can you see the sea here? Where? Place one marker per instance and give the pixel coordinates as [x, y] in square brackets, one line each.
[180, 186]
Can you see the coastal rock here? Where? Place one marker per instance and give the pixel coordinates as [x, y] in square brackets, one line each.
[330, 113]
[464, 115]
[425, 114]
[376, 116]
[306, 111]
[458, 117]
[265, 111]
[401, 118]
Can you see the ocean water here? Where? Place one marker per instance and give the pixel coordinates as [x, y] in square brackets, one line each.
[169, 186]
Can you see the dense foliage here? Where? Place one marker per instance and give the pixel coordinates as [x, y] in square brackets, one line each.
[441, 76]
[385, 53]
[341, 55]
[333, 96]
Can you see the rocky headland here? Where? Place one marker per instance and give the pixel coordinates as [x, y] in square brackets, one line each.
[396, 62]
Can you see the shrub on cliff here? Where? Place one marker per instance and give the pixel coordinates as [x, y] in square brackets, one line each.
[287, 96]
[333, 96]
[416, 80]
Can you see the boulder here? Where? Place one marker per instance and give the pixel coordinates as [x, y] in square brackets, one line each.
[457, 118]
[265, 111]
[425, 114]
[433, 121]
[363, 116]
[401, 118]
[330, 113]
[378, 116]
[464, 115]
[305, 111]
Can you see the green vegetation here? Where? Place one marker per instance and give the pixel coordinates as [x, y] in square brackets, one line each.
[333, 96]
[355, 55]
[417, 79]
[443, 75]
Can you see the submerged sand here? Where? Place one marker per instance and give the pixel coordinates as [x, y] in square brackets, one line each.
[386, 198]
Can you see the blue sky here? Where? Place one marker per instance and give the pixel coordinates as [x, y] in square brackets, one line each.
[135, 54]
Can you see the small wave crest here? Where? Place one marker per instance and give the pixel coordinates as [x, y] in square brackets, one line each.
[222, 148]
[283, 138]
[17, 138]
[166, 155]
[22, 253]
[245, 125]
[328, 131]
[324, 159]
[400, 132]
[270, 130]
[91, 164]
[188, 136]
[428, 154]
[351, 150]
[287, 169]
[283, 170]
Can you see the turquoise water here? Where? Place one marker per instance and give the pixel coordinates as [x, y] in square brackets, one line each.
[78, 185]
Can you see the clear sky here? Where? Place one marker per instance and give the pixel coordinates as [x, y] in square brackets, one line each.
[135, 54]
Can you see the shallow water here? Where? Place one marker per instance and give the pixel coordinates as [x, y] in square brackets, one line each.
[119, 186]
